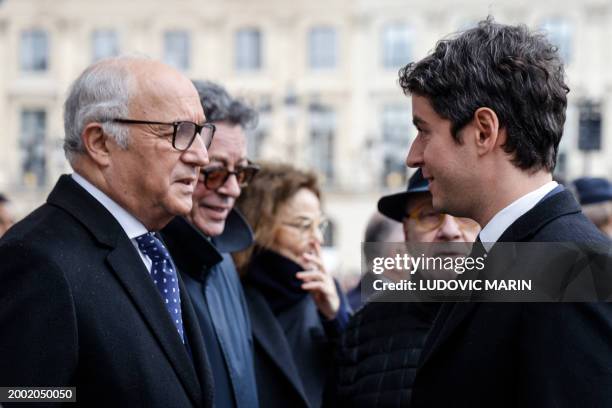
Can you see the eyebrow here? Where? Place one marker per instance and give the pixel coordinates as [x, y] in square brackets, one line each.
[225, 161]
[417, 121]
[306, 218]
[303, 217]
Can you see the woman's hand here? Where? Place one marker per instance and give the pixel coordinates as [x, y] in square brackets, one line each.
[320, 284]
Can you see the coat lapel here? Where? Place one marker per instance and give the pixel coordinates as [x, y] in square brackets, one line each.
[196, 343]
[268, 333]
[547, 210]
[125, 263]
[192, 253]
[451, 315]
[133, 275]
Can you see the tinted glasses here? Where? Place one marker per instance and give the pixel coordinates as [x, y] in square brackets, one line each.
[428, 219]
[183, 134]
[216, 176]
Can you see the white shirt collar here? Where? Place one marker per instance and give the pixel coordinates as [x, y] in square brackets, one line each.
[503, 219]
[132, 227]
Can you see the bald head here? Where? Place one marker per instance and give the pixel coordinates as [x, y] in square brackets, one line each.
[156, 82]
[117, 88]
[121, 119]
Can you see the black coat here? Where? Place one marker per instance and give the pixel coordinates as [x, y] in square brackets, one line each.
[78, 308]
[214, 287]
[293, 344]
[378, 354]
[278, 380]
[522, 354]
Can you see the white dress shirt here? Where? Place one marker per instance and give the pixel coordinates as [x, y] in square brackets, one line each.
[503, 219]
[132, 227]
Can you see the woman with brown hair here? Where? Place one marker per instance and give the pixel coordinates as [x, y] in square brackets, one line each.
[296, 307]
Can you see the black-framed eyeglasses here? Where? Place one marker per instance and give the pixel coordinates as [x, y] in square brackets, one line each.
[183, 133]
[216, 176]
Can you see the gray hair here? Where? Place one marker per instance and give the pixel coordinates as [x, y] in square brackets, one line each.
[219, 106]
[100, 93]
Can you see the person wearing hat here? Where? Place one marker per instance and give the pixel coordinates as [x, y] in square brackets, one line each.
[379, 350]
[414, 209]
[595, 196]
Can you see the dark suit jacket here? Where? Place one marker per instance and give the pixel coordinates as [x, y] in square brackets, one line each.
[522, 354]
[78, 308]
[214, 287]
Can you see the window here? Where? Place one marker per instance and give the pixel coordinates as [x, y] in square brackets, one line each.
[248, 49]
[322, 136]
[322, 48]
[397, 134]
[567, 155]
[32, 147]
[559, 33]
[104, 44]
[177, 49]
[330, 234]
[34, 51]
[256, 137]
[589, 125]
[397, 45]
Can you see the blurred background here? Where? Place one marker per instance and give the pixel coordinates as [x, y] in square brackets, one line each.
[323, 75]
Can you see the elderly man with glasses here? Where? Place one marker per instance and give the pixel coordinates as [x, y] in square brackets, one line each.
[90, 296]
[380, 348]
[201, 245]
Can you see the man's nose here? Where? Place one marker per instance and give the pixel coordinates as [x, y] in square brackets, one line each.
[415, 154]
[231, 187]
[197, 153]
[449, 230]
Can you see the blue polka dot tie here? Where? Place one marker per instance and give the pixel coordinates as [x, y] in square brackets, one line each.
[164, 276]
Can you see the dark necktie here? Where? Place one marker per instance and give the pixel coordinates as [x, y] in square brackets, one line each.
[164, 276]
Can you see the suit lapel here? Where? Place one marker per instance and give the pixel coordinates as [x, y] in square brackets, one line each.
[131, 272]
[127, 266]
[268, 333]
[548, 209]
[194, 336]
[556, 204]
[450, 316]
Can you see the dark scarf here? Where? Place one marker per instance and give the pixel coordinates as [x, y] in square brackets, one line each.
[274, 276]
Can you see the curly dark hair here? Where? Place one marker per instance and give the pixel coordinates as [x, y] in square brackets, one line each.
[219, 106]
[509, 69]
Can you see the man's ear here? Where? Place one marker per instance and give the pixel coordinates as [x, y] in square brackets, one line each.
[95, 143]
[487, 126]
